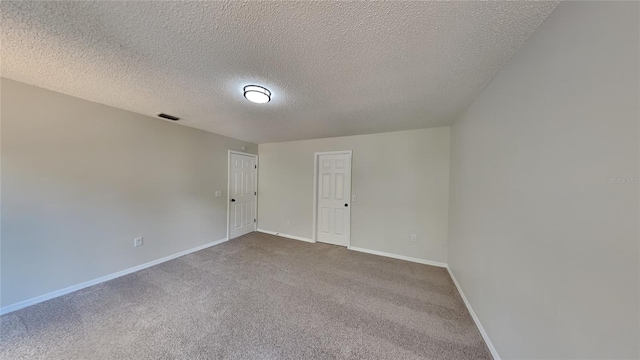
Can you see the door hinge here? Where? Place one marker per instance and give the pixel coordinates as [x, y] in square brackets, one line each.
[255, 166]
[255, 193]
[254, 220]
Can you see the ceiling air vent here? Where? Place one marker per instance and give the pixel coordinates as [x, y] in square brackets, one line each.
[167, 116]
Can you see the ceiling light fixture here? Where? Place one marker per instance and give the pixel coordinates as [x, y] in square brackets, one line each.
[257, 94]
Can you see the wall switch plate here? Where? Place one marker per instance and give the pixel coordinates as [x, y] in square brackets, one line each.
[444, 242]
[414, 238]
[218, 193]
[288, 223]
[137, 242]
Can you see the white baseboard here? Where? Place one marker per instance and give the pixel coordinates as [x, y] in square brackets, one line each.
[400, 257]
[484, 334]
[286, 235]
[70, 289]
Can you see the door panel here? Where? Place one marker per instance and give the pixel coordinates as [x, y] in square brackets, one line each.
[339, 222]
[242, 195]
[333, 199]
[339, 186]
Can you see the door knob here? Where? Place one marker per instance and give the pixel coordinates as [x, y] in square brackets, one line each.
[233, 200]
[346, 205]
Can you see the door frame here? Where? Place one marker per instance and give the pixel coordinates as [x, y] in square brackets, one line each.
[255, 210]
[316, 156]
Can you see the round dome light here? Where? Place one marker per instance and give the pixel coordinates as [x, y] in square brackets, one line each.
[257, 94]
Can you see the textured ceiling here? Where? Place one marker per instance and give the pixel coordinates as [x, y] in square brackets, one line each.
[335, 68]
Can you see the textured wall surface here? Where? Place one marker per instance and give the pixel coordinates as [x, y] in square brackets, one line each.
[81, 180]
[335, 68]
[545, 178]
[401, 180]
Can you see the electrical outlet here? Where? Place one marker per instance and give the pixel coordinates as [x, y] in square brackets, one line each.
[137, 242]
[414, 238]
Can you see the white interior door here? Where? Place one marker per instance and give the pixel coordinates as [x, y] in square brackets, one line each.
[242, 194]
[333, 199]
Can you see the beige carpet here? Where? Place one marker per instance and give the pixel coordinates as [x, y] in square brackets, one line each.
[255, 297]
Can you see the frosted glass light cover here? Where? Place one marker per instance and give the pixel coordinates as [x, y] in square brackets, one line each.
[257, 94]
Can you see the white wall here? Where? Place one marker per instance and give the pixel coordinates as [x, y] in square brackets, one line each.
[545, 248]
[81, 180]
[401, 180]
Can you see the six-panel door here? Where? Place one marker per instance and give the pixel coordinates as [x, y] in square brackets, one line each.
[242, 195]
[334, 195]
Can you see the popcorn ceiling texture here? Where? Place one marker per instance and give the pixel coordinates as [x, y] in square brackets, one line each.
[335, 68]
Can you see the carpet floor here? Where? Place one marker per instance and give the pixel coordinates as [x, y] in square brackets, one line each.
[255, 297]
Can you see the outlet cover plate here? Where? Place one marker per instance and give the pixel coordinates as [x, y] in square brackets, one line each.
[137, 242]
